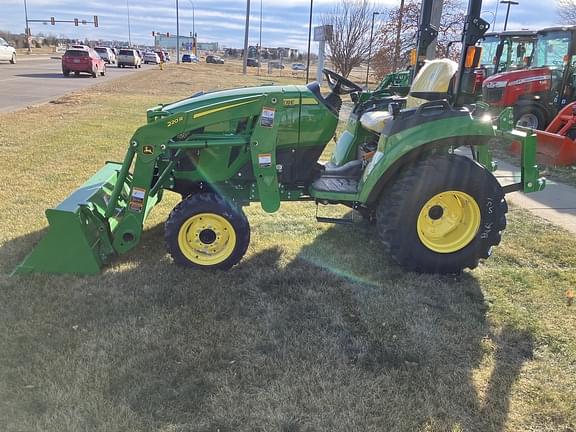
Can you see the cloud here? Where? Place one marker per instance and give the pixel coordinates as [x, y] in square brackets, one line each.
[284, 21]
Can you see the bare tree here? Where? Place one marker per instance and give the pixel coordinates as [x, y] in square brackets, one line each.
[567, 11]
[392, 54]
[351, 21]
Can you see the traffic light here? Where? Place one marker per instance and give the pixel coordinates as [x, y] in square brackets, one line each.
[153, 34]
[52, 20]
[95, 20]
[167, 34]
[76, 22]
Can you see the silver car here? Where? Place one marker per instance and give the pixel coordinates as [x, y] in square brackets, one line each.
[7, 51]
[106, 54]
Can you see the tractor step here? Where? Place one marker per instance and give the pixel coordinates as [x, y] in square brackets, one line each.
[332, 220]
[339, 221]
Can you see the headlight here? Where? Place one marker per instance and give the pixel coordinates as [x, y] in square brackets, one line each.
[496, 84]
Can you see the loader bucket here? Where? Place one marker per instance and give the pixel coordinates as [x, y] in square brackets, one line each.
[78, 237]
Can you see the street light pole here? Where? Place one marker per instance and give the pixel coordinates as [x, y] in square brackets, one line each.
[260, 40]
[370, 47]
[398, 31]
[129, 35]
[509, 3]
[27, 31]
[246, 34]
[177, 33]
[309, 39]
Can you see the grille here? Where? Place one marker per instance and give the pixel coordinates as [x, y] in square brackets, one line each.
[491, 95]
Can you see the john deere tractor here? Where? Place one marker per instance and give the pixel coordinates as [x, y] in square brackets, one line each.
[434, 209]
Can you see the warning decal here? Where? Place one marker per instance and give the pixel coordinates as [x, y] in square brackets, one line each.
[265, 160]
[267, 117]
[137, 199]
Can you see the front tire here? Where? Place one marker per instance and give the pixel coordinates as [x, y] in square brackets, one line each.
[442, 215]
[530, 116]
[206, 231]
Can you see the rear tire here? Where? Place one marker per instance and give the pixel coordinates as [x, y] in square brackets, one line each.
[13, 59]
[531, 116]
[76, 73]
[442, 215]
[205, 231]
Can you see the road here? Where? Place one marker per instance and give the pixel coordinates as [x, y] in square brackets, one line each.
[36, 80]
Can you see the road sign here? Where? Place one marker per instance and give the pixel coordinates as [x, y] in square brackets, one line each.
[322, 33]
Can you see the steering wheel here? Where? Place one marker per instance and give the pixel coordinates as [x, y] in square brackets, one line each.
[340, 85]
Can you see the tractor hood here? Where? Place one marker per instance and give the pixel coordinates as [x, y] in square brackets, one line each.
[520, 77]
[205, 99]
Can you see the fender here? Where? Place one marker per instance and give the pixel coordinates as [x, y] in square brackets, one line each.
[396, 150]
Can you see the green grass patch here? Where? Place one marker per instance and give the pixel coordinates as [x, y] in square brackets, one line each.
[315, 330]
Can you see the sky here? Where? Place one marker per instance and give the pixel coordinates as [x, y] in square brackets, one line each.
[285, 22]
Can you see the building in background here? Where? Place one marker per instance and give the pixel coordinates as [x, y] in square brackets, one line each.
[186, 43]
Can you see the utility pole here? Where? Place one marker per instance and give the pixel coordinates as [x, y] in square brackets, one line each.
[246, 32]
[435, 18]
[177, 34]
[398, 32]
[509, 3]
[309, 40]
[370, 47]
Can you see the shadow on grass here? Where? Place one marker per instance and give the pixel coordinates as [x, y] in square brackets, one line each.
[338, 338]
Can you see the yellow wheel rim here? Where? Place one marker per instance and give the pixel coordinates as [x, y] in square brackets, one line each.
[448, 221]
[207, 239]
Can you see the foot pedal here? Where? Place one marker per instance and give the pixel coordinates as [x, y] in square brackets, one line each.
[341, 221]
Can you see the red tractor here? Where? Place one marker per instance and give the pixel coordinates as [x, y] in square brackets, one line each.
[541, 91]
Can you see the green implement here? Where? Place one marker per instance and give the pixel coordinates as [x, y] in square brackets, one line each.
[78, 238]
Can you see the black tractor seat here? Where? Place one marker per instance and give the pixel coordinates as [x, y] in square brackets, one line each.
[333, 102]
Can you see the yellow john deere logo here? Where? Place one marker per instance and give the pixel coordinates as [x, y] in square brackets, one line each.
[148, 150]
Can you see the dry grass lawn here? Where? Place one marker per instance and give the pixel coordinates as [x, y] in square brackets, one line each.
[315, 330]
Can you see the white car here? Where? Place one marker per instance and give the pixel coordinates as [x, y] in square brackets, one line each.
[129, 57]
[106, 54]
[7, 51]
[151, 57]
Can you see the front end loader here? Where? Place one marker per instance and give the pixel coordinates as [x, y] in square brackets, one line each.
[434, 209]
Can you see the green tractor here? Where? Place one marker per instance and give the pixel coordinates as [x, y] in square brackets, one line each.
[434, 209]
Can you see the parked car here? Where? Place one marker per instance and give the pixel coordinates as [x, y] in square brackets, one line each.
[161, 56]
[129, 57]
[214, 59]
[83, 60]
[7, 51]
[275, 65]
[106, 54]
[298, 67]
[151, 58]
[252, 62]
